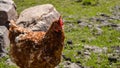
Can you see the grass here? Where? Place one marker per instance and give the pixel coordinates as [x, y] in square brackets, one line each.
[3, 63]
[73, 10]
[70, 7]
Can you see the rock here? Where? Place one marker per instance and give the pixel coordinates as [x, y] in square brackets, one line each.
[9, 62]
[83, 24]
[8, 2]
[79, 21]
[4, 36]
[70, 27]
[94, 49]
[4, 41]
[100, 19]
[67, 21]
[118, 28]
[78, 1]
[90, 26]
[115, 47]
[68, 64]
[116, 9]
[114, 25]
[105, 49]
[116, 50]
[7, 12]
[79, 52]
[104, 24]
[73, 65]
[78, 62]
[66, 58]
[116, 13]
[115, 17]
[3, 55]
[112, 59]
[87, 53]
[69, 42]
[104, 15]
[38, 18]
[96, 31]
[83, 40]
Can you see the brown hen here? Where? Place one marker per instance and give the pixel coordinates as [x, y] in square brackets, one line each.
[36, 49]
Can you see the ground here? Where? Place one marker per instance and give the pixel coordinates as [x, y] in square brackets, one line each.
[87, 23]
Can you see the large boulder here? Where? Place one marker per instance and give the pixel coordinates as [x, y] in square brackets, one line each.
[4, 41]
[7, 12]
[38, 18]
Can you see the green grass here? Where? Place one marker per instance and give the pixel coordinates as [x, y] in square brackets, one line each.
[3, 63]
[108, 38]
[73, 11]
[71, 7]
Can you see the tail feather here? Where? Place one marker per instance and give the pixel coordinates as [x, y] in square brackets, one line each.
[16, 28]
[13, 24]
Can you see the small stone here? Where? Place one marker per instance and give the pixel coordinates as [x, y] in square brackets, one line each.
[79, 21]
[71, 47]
[83, 40]
[3, 55]
[99, 20]
[68, 62]
[117, 51]
[9, 62]
[66, 58]
[105, 49]
[79, 52]
[78, 0]
[90, 26]
[87, 57]
[69, 42]
[78, 62]
[83, 24]
[110, 41]
[87, 53]
[73, 65]
[114, 25]
[104, 15]
[118, 28]
[112, 59]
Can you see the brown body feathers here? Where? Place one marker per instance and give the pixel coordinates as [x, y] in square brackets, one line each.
[30, 49]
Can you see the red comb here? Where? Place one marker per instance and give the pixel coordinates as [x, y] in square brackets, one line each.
[61, 21]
